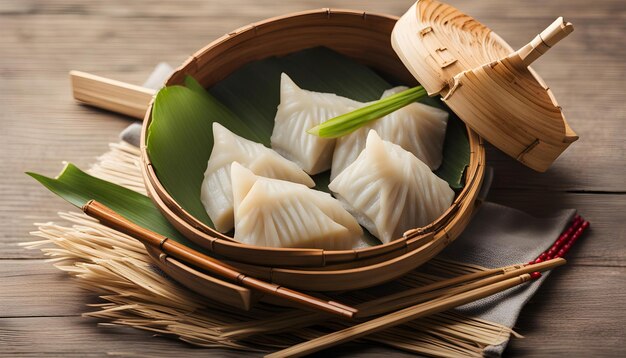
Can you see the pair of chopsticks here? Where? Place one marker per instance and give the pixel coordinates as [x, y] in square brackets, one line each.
[411, 304]
[443, 295]
[547, 260]
[113, 220]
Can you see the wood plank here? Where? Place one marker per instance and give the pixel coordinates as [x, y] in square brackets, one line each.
[483, 10]
[22, 283]
[47, 127]
[603, 244]
[578, 312]
[547, 323]
[597, 161]
[81, 337]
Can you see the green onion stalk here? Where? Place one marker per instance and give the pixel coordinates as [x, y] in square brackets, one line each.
[351, 121]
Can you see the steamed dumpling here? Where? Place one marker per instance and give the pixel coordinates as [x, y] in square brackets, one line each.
[299, 111]
[418, 128]
[216, 191]
[277, 213]
[390, 191]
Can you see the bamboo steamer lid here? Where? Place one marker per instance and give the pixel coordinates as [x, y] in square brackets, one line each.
[484, 81]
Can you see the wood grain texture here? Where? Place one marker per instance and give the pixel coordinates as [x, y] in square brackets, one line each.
[602, 320]
[605, 242]
[37, 337]
[580, 311]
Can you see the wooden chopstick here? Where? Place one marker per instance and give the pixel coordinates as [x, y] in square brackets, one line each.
[414, 296]
[450, 287]
[112, 95]
[113, 220]
[420, 294]
[408, 314]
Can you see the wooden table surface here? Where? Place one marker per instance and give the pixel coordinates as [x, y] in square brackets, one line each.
[580, 311]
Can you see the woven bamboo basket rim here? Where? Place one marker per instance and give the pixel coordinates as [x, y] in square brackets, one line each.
[360, 274]
[357, 274]
[202, 283]
[212, 63]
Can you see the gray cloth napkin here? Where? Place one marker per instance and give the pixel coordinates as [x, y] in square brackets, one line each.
[497, 236]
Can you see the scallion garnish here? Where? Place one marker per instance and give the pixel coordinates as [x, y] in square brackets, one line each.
[351, 121]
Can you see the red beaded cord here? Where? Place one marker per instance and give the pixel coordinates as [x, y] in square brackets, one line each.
[563, 243]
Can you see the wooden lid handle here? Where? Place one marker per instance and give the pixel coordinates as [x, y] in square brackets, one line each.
[549, 37]
[111, 95]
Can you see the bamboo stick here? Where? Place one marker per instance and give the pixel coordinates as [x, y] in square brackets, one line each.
[549, 37]
[111, 95]
[450, 299]
[110, 218]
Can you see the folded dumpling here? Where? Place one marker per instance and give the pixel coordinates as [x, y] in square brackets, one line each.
[299, 111]
[216, 191]
[390, 191]
[418, 128]
[277, 213]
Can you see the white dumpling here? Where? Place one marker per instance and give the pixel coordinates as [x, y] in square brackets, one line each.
[390, 191]
[418, 128]
[277, 213]
[216, 192]
[299, 111]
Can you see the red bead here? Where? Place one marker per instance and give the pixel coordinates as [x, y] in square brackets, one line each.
[565, 241]
[535, 275]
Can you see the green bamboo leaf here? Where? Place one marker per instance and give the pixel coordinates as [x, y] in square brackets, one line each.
[252, 94]
[323, 70]
[456, 153]
[195, 86]
[180, 137]
[180, 140]
[78, 187]
[253, 91]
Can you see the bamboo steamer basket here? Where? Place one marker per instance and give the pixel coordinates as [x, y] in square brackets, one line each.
[315, 269]
[343, 31]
